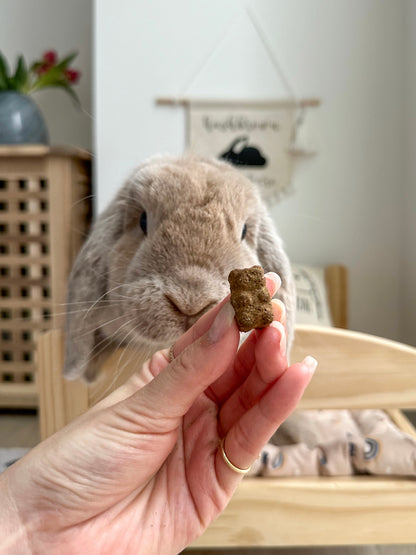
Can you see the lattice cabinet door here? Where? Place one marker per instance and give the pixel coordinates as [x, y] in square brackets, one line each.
[45, 212]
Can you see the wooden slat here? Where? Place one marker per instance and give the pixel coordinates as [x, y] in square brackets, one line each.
[316, 511]
[17, 367]
[22, 151]
[71, 151]
[20, 281]
[336, 280]
[17, 343]
[20, 395]
[32, 324]
[25, 238]
[24, 260]
[356, 370]
[26, 302]
[60, 171]
[61, 401]
[81, 206]
[11, 217]
[23, 167]
[23, 195]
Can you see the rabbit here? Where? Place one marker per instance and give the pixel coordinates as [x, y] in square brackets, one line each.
[159, 256]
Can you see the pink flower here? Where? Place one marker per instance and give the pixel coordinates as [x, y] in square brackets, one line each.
[50, 57]
[72, 75]
[42, 69]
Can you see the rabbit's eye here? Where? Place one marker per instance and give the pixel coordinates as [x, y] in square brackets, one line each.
[244, 232]
[143, 222]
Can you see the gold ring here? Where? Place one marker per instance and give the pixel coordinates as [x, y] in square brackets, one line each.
[171, 354]
[229, 463]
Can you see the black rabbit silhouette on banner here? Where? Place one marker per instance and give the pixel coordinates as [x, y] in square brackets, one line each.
[246, 156]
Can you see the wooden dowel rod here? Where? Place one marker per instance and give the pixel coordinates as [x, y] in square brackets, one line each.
[303, 102]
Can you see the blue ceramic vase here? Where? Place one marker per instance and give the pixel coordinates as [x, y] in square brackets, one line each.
[21, 121]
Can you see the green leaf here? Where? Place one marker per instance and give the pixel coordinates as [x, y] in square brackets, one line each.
[35, 66]
[61, 84]
[47, 79]
[20, 77]
[66, 61]
[74, 96]
[4, 74]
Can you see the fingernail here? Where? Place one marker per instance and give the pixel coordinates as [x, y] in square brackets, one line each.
[310, 363]
[275, 279]
[221, 323]
[280, 305]
[282, 345]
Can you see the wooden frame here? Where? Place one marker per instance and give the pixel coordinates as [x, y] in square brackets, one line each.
[355, 370]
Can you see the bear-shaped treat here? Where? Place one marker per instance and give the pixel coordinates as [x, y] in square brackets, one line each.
[250, 298]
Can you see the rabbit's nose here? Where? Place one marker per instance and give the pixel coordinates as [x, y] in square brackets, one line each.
[191, 309]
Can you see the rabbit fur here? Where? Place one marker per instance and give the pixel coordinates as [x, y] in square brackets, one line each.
[144, 283]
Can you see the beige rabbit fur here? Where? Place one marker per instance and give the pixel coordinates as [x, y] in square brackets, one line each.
[159, 256]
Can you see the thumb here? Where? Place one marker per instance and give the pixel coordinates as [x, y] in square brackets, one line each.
[172, 392]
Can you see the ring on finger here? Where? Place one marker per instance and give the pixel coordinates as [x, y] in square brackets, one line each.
[229, 463]
[171, 354]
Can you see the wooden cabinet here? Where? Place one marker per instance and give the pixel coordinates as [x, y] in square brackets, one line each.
[45, 212]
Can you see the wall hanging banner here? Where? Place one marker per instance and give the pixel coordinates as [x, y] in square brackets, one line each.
[255, 137]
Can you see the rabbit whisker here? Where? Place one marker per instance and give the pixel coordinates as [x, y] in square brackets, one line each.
[42, 320]
[86, 302]
[103, 295]
[96, 328]
[124, 298]
[78, 311]
[119, 368]
[108, 340]
[81, 200]
[145, 353]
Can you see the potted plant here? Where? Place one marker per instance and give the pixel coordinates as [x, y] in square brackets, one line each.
[20, 119]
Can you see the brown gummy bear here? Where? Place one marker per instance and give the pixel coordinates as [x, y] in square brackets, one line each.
[250, 298]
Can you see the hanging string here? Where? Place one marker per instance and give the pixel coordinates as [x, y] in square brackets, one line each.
[283, 75]
[265, 42]
[272, 56]
[293, 100]
[213, 51]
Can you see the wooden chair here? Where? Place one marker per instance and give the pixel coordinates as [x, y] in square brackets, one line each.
[356, 370]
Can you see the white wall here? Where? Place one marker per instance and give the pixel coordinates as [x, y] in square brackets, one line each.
[31, 27]
[349, 201]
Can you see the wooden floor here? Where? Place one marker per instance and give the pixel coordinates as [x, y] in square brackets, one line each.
[19, 428]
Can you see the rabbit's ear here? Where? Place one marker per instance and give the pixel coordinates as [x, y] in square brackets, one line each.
[88, 283]
[273, 258]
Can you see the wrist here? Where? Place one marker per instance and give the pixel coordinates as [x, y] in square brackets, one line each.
[13, 534]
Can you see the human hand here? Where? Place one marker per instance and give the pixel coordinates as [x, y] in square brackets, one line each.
[142, 471]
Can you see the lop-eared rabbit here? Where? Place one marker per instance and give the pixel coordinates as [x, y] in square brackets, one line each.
[159, 257]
